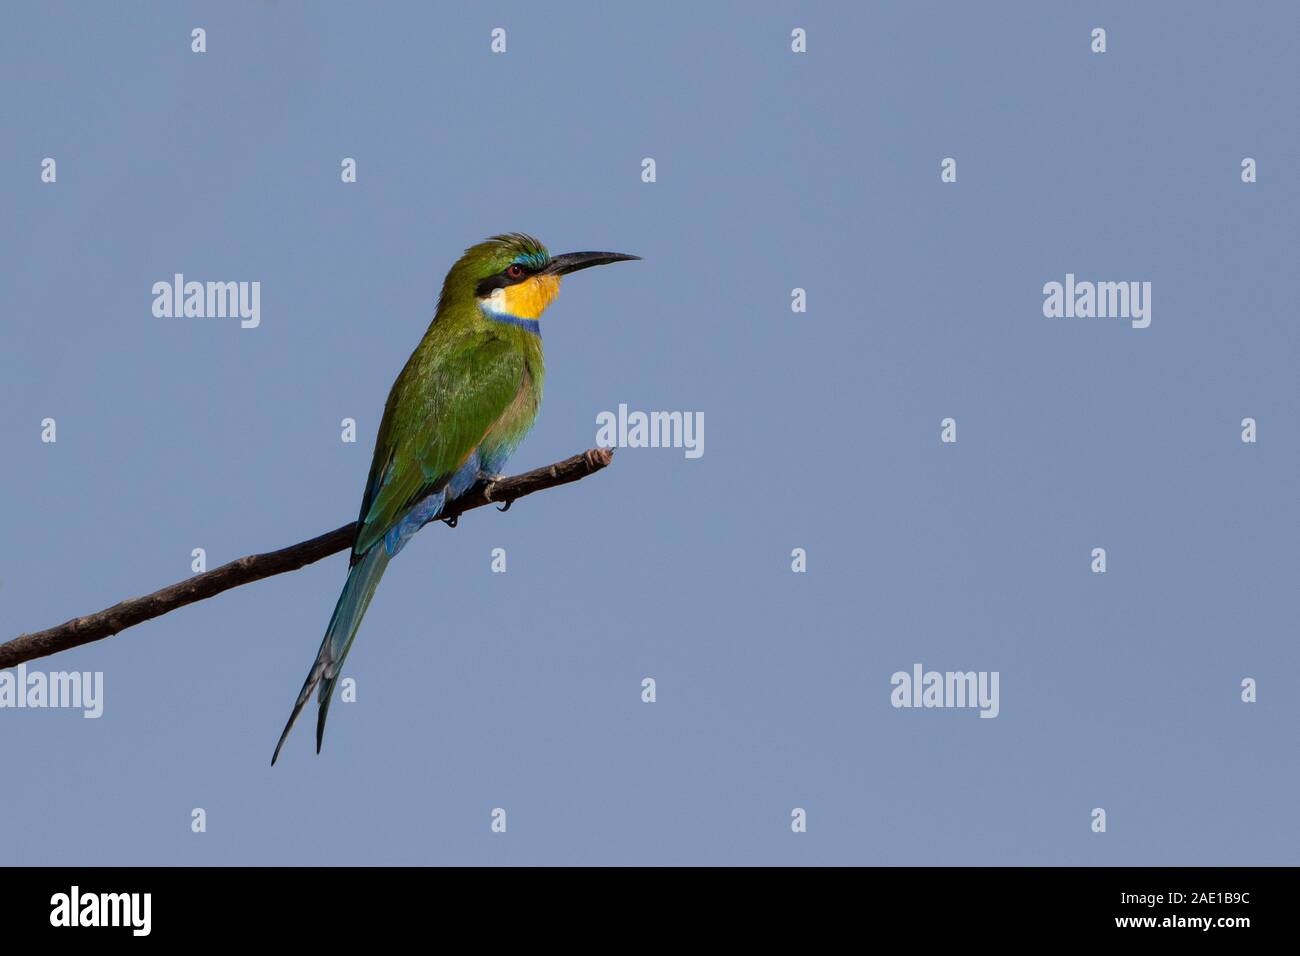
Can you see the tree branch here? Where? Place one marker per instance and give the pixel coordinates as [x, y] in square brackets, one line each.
[254, 567]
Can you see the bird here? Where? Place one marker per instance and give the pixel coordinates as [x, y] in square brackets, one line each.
[460, 407]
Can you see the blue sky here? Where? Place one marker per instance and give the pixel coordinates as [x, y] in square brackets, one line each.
[775, 170]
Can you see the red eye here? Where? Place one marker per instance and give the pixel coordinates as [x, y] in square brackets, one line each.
[516, 271]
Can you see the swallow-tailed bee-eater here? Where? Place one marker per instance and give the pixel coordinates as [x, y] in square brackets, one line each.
[462, 404]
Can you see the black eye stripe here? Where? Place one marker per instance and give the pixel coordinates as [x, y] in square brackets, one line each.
[487, 286]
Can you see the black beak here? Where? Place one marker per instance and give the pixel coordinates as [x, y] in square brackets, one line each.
[573, 261]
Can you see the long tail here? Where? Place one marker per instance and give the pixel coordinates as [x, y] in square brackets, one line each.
[363, 578]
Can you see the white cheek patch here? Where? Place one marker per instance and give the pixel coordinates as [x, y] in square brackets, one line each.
[495, 303]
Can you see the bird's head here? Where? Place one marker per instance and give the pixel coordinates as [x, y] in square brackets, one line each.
[514, 277]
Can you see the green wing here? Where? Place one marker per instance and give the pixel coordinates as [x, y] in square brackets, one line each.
[440, 408]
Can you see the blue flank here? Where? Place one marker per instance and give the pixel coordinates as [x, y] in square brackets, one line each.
[430, 507]
[415, 519]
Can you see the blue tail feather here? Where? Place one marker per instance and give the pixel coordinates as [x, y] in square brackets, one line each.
[363, 578]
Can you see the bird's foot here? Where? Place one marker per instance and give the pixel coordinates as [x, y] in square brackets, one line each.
[450, 522]
[489, 482]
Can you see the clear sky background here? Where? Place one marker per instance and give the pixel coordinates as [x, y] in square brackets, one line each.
[775, 170]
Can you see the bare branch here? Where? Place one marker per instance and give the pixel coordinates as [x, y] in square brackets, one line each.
[254, 567]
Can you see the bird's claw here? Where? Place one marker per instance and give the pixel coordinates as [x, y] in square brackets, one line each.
[489, 485]
[451, 522]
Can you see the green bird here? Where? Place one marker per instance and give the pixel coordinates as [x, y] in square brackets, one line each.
[466, 398]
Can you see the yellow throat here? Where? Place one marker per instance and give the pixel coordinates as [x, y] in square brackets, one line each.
[524, 300]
